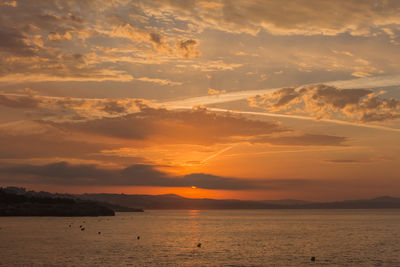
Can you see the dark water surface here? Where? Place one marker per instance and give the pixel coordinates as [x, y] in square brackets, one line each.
[228, 238]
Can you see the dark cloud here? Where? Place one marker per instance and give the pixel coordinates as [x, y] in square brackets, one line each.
[62, 173]
[159, 43]
[15, 43]
[374, 159]
[31, 145]
[286, 96]
[207, 181]
[376, 117]
[197, 126]
[37, 106]
[323, 101]
[338, 98]
[347, 161]
[24, 102]
[156, 38]
[61, 170]
[188, 48]
[114, 107]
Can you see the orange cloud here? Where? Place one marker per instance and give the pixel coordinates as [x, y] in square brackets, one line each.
[323, 101]
[212, 91]
[307, 17]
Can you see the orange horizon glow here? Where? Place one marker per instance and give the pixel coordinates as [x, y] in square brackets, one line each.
[189, 192]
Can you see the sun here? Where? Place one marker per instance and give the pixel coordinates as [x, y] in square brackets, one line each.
[194, 187]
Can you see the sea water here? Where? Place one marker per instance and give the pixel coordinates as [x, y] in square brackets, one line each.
[205, 238]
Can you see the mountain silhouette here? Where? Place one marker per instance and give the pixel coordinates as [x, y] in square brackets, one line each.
[171, 201]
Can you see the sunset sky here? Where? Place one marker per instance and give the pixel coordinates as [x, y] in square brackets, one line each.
[237, 99]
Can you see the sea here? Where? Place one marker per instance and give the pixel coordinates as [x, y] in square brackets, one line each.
[205, 238]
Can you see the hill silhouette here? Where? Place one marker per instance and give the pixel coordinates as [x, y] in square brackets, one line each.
[171, 201]
[16, 203]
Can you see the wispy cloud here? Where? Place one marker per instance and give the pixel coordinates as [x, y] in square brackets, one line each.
[158, 81]
[100, 77]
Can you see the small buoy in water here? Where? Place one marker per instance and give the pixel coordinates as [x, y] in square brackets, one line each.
[99, 233]
[83, 228]
[313, 258]
[199, 245]
[80, 226]
[138, 237]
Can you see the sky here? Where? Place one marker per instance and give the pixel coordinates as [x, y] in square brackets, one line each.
[235, 99]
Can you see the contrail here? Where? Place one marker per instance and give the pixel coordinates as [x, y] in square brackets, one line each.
[215, 99]
[216, 154]
[58, 97]
[288, 151]
[378, 127]
[367, 82]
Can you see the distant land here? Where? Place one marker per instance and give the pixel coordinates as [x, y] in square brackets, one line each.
[171, 201]
[16, 201]
[19, 202]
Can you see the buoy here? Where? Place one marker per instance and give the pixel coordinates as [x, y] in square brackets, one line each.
[199, 245]
[138, 237]
[313, 258]
[99, 232]
[83, 228]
